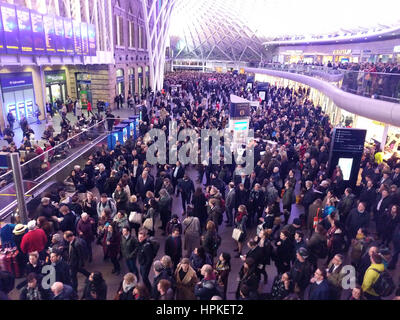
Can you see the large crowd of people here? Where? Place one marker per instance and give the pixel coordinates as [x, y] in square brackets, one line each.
[123, 204]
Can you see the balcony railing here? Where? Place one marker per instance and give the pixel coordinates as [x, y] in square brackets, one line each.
[377, 85]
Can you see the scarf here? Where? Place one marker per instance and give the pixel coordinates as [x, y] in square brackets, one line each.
[240, 216]
[33, 294]
[126, 287]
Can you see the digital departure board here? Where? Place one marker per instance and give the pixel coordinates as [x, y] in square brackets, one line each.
[92, 39]
[77, 37]
[39, 42]
[50, 34]
[348, 140]
[2, 47]
[69, 37]
[10, 26]
[85, 40]
[347, 147]
[25, 30]
[59, 34]
[238, 110]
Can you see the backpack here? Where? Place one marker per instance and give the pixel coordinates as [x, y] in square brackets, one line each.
[384, 286]
[155, 245]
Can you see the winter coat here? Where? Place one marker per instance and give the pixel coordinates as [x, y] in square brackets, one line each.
[192, 232]
[185, 287]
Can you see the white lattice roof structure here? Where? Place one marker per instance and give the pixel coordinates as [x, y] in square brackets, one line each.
[235, 30]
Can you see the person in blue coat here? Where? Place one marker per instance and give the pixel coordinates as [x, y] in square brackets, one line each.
[319, 288]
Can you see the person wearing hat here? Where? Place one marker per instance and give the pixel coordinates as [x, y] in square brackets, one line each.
[301, 271]
[19, 232]
[34, 240]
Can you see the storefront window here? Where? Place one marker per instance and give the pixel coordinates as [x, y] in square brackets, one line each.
[120, 82]
[132, 80]
[18, 96]
[83, 84]
[56, 86]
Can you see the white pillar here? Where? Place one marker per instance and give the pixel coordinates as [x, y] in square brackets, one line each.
[384, 136]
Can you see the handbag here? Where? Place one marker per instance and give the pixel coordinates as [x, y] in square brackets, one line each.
[148, 224]
[136, 217]
[317, 219]
[236, 234]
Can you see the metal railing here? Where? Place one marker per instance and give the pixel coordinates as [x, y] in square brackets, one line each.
[377, 85]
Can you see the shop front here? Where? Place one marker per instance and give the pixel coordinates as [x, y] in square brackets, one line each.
[18, 96]
[120, 79]
[132, 80]
[83, 86]
[56, 85]
[344, 55]
[140, 80]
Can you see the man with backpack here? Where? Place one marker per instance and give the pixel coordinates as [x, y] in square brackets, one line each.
[377, 282]
[76, 257]
[104, 203]
[147, 251]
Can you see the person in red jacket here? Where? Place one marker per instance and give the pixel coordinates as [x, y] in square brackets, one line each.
[34, 240]
[89, 108]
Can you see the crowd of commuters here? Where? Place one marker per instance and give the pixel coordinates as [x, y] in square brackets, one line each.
[338, 227]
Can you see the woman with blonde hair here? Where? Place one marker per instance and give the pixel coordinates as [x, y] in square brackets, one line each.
[168, 265]
[133, 206]
[240, 223]
[125, 291]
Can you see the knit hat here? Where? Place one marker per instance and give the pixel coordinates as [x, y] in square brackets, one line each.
[31, 225]
[303, 252]
[19, 229]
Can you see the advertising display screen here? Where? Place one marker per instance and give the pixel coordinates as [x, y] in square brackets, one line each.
[59, 34]
[25, 30]
[38, 35]
[69, 37]
[2, 48]
[345, 165]
[10, 26]
[50, 36]
[92, 39]
[77, 37]
[85, 40]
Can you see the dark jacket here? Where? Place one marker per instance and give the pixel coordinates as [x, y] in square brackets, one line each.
[301, 273]
[42, 293]
[163, 275]
[145, 253]
[356, 220]
[320, 292]
[67, 294]
[75, 254]
[142, 188]
[173, 248]
[129, 247]
[100, 289]
[68, 223]
[63, 272]
[206, 289]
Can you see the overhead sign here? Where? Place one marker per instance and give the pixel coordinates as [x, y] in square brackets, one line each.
[342, 52]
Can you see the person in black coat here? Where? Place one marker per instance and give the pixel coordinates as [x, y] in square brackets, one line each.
[283, 253]
[95, 287]
[173, 246]
[34, 290]
[242, 196]
[301, 271]
[380, 208]
[144, 183]
[145, 256]
[159, 274]
[357, 218]
[186, 189]
[62, 268]
[368, 195]
[319, 288]
[67, 221]
[250, 277]
[177, 173]
[309, 197]
[199, 202]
